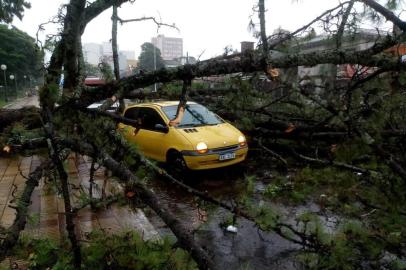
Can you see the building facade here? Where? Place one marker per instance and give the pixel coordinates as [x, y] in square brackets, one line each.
[129, 54]
[94, 53]
[328, 75]
[107, 48]
[170, 47]
[247, 46]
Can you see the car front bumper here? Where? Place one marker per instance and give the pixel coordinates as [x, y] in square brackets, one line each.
[211, 159]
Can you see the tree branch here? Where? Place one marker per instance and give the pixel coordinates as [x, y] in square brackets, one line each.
[185, 238]
[248, 63]
[97, 7]
[27, 115]
[54, 154]
[341, 28]
[158, 23]
[389, 15]
[13, 233]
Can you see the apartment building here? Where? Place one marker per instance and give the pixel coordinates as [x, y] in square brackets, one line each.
[170, 47]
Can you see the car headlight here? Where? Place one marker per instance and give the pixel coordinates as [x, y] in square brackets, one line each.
[201, 147]
[242, 141]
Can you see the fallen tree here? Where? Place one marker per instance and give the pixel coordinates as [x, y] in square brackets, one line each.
[301, 118]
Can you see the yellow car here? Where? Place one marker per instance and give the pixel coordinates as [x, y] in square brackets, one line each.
[200, 140]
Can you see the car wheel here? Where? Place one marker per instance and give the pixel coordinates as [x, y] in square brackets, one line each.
[176, 162]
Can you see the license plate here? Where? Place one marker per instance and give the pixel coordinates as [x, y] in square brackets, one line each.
[227, 156]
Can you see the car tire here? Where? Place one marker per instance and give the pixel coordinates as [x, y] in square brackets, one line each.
[176, 162]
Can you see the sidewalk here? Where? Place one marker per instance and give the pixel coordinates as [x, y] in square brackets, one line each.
[23, 102]
[46, 212]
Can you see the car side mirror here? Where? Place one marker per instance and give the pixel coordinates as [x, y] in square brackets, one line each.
[161, 128]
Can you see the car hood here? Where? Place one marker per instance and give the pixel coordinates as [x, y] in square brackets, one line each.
[216, 136]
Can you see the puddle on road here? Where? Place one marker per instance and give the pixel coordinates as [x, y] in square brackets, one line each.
[250, 248]
[247, 249]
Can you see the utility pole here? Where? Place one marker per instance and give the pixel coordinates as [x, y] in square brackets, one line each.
[4, 67]
[12, 77]
[154, 66]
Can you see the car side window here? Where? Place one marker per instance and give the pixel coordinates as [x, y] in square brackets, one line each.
[149, 118]
[132, 113]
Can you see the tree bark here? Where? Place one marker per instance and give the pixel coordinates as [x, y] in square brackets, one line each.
[97, 7]
[28, 115]
[114, 43]
[341, 28]
[183, 234]
[63, 177]
[116, 62]
[13, 233]
[72, 34]
[264, 37]
[247, 64]
[389, 15]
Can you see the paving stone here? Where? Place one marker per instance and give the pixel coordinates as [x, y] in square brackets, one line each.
[5, 192]
[86, 214]
[35, 206]
[135, 220]
[60, 205]
[19, 179]
[3, 198]
[88, 226]
[11, 170]
[49, 221]
[13, 263]
[51, 232]
[31, 233]
[49, 204]
[61, 223]
[7, 180]
[2, 207]
[110, 225]
[47, 208]
[25, 163]
[8, 217]
[44, 217]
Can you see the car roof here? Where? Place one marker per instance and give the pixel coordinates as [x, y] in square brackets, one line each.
[99, 103]
[160, 103]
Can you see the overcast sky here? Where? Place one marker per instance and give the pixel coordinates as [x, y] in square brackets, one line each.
[206, 26]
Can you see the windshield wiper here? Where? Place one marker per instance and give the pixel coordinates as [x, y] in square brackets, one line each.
[193, 125]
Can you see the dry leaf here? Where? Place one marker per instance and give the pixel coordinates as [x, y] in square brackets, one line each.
[291, 127]
[273, 72]
[130, 194]
[7, 148]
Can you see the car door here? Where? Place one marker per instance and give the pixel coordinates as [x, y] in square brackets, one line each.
[128, 131]
[150, 141]
[153, 140]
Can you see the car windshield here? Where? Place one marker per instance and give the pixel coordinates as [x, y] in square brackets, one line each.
[195, 115]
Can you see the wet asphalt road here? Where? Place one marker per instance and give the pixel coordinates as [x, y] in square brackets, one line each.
[249, 248]
[23, 102]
